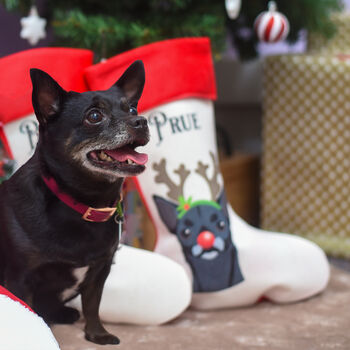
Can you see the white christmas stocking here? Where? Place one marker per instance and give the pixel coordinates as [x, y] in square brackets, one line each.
[143, 287]
[229, 262]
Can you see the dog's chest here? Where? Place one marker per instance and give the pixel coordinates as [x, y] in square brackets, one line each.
[79, 274]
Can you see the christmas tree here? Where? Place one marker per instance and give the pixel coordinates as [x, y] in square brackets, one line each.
[111, 27]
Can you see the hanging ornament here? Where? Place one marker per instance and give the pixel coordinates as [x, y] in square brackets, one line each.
[271, 26]
[232, 8]
[33, 27]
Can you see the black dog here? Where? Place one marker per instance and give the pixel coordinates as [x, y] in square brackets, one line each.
[86, 147]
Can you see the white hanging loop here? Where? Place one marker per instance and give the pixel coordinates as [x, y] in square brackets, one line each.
[232, 8]
[272, 6]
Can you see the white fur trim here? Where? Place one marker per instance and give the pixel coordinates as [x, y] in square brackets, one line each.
[22, 329]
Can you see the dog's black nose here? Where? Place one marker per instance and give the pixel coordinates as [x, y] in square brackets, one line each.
[138, 122]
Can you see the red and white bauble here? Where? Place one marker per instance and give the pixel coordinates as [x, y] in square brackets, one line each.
[271, 26]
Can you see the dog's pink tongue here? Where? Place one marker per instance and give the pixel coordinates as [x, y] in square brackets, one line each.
[125, 153]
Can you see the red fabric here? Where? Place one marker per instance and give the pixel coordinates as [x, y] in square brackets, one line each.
[5, 141]
[63, 64]
[13, 297]
[176, 68]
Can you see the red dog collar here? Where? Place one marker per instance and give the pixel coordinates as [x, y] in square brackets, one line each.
[88, 213]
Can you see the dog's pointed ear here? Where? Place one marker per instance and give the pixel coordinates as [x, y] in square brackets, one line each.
[222, 201]
[132, 82]
[167, 212]
[47, 96]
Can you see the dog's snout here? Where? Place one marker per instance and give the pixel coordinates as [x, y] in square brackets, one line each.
[138, 122]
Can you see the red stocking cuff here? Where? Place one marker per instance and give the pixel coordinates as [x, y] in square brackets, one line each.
[166, 80]
[63, 64]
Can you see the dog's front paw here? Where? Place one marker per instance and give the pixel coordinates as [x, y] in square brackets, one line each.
[64, 315]
[103, 338]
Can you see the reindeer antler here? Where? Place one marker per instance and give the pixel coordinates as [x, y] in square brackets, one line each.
[213, 182]
[175, 191]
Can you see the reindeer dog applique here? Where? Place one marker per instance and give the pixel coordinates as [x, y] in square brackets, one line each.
[202, 228]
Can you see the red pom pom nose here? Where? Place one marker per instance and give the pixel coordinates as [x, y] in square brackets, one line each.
[206, 239]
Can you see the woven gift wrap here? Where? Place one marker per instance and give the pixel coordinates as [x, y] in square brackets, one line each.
[306, 162]
[339, 43]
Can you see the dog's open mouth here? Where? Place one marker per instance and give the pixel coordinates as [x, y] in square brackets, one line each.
[124, 159]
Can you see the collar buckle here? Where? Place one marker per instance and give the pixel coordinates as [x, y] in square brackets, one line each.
[98, 214]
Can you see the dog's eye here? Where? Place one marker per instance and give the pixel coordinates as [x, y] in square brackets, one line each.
[94, 117]
[186, 232]
[133, 110]
[221, 225]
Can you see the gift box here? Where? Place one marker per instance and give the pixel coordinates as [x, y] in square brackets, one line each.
[306, 161]
[338, 43]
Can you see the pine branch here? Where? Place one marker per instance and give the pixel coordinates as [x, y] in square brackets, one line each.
[107, 35]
